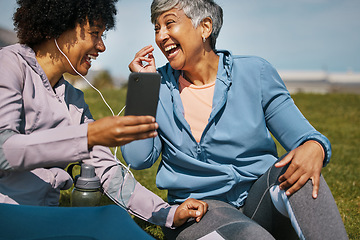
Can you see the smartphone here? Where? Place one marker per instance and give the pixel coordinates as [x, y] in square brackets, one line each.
[142, 94]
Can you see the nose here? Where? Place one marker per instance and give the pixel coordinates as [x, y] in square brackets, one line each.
[162, 35]
[100, 45]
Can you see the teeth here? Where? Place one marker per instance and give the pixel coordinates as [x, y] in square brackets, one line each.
[168, 48]
[91, 57]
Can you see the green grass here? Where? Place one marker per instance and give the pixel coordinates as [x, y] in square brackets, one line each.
[335, 115]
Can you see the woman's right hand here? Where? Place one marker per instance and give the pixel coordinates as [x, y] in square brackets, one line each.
[144, 55]
[120, 130]
[191, 208]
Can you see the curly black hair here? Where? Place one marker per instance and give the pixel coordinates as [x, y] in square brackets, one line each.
[38, 20]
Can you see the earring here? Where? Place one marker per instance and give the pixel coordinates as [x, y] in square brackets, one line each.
[204, 39]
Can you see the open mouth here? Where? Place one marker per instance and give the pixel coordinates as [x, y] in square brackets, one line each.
[88, 58]
[172, 49]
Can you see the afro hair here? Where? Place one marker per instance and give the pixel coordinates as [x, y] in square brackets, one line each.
[38, 20]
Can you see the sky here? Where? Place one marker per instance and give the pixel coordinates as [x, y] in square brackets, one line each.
[292, 35]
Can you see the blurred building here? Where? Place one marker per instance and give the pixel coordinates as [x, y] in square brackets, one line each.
[321, 81]
[7, 37]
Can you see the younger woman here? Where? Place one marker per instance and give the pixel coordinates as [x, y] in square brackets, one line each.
[45, 123]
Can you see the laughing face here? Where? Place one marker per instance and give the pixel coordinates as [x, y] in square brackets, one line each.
[82, 45]
[178, 40]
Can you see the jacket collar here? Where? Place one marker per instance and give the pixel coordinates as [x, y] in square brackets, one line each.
[225, 66]
[29, 56]
[223, 74]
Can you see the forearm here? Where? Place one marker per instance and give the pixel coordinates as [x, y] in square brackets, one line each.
[142, 154]
[283, 118]
[46, 148]
[150, 207]
[120, 186]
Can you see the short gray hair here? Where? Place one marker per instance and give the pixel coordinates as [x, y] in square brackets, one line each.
[196, 10]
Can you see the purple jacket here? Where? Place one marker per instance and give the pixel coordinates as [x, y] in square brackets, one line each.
[43, 129]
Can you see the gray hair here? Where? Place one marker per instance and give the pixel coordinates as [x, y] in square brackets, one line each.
[196, 10]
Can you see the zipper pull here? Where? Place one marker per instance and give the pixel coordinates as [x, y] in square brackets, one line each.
[198, 149]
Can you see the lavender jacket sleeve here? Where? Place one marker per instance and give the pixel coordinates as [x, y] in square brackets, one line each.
[120, 186]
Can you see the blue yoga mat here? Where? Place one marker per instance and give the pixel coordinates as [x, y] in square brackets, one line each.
[80, 223]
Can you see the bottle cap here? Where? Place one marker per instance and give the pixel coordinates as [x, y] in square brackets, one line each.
[87, 178]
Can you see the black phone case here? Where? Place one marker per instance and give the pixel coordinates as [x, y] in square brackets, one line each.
[142, 94]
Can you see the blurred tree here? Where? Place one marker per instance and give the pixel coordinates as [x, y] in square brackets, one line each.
[103, 80]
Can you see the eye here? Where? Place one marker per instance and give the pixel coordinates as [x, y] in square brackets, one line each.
[169, 22]
[157, 29]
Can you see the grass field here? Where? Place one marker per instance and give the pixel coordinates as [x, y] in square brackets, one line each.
[335, 115]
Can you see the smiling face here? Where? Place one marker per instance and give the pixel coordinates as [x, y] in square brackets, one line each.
[82, 45]
[178, 40]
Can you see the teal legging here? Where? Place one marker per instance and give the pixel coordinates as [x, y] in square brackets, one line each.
[68, 223]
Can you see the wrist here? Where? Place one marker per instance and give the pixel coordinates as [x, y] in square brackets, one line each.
[89, 134]
[171, 217]
[320, 146]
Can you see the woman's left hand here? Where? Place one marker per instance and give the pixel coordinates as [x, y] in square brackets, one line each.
[144, 55]
[191, 208]
[306, 162]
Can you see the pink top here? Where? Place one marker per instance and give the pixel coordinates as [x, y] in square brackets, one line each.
[197, 102]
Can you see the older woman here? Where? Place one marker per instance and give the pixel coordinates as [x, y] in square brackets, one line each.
[45, 123]
[215, 114]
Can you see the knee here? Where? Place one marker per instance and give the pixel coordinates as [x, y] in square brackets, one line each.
[244, 230]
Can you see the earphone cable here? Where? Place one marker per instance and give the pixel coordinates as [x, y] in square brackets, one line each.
[127, 168]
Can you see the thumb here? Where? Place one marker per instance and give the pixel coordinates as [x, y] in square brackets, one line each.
[185, 214]
[194, 213]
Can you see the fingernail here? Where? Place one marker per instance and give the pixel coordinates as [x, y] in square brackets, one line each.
[198, 213]
[287, 193]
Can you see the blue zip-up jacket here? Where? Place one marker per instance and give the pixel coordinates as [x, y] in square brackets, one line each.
[250, 102]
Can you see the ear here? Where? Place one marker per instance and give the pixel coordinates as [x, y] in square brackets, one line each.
[206, 25]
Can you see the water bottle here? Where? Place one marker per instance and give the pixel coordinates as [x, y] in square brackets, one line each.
[86, 192]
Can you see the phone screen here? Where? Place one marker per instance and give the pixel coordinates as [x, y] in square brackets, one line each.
[142, 94]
